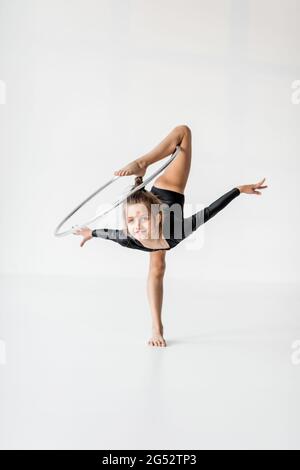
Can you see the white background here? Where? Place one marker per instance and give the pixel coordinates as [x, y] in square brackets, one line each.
[89, 86]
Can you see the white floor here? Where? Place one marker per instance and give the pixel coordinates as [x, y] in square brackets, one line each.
[76, 372]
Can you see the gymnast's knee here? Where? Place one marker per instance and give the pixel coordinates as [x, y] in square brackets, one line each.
[158, 269]
[185, 128]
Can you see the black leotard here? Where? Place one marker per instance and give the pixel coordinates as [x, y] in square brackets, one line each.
[175, 227]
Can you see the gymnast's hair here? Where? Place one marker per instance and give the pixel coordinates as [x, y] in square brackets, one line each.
[142, 196]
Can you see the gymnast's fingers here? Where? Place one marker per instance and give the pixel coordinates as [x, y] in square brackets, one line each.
[259, 184]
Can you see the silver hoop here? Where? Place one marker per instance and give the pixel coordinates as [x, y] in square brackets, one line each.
[117, 203]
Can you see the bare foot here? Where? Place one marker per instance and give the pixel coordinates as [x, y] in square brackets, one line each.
[133, 168]
[157, 338]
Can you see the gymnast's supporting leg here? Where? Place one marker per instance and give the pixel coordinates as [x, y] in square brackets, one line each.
[155, 295]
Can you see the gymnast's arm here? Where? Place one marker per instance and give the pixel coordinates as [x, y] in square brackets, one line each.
[113, 234]
[201, 217]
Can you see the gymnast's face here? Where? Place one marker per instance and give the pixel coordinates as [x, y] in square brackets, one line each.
[140, 222]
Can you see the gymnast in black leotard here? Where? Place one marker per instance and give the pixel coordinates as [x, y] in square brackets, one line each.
[175, 227]
[154, 220]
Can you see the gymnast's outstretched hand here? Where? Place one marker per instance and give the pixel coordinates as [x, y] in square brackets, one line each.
[252, 188]
[85, 232]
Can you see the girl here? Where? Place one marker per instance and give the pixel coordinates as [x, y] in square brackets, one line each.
[154, 220]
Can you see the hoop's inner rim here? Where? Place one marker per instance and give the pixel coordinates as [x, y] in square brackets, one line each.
[116, 204]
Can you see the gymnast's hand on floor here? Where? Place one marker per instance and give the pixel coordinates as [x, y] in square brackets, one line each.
[85, 232]
[252, 188]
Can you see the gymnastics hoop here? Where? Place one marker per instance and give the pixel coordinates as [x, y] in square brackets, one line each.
[117, 203]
